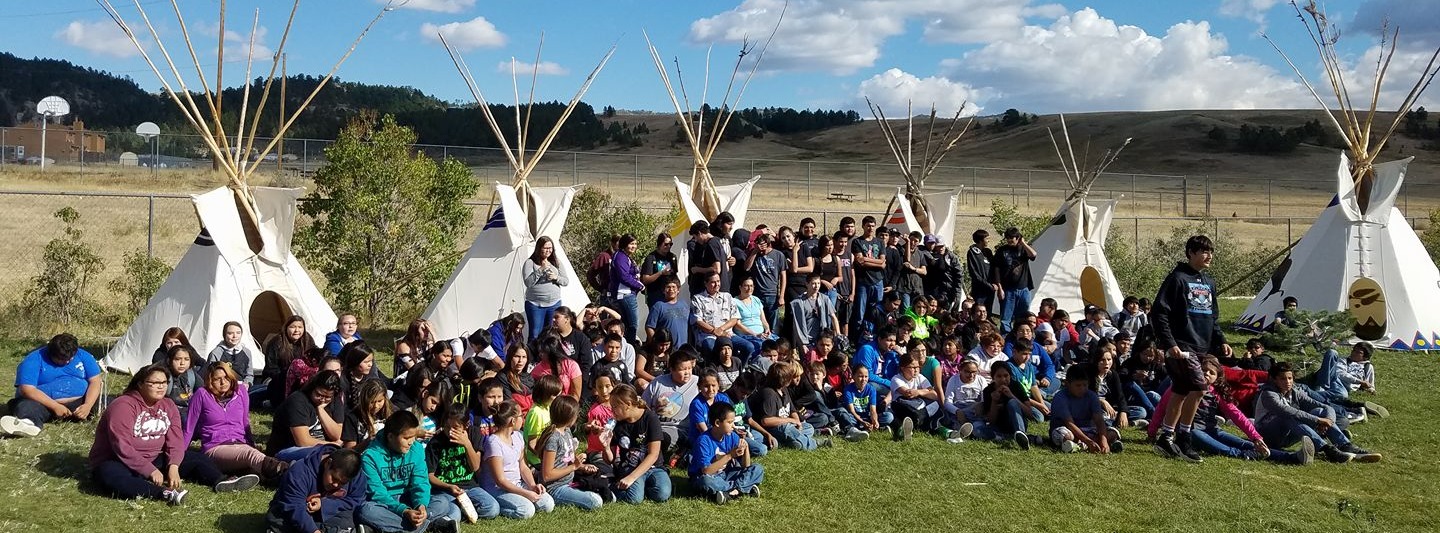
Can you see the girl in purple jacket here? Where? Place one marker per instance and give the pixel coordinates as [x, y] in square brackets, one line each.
[220, 416]
[625, 285]
[139, 449]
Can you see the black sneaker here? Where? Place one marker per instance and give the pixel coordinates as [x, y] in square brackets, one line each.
[719, 498]
[1117, 446]
[1165, 446]
[754, 492]
[1021, 440]
[1187, 452]
[1336, 455]
[1361, 455]
[444, 525]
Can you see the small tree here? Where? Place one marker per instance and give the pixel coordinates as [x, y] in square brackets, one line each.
[143, 276]
[595, 215]
[68, 265]
[1005, 215]
[1431, 237]
[386, 219]
[1320, 330]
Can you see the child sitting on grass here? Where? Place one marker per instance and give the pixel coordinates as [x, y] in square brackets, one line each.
[547, 388]
[860, 408]
[561, 464]
[756, 437]
[962, 401]
[1208, 437]
[1286, 416]
[635, 450]
[700, 407]
[399, 484]
[1077, 419]
[773, 407]
[453, 459]
[509, 481]
[320, 492]
[914, 401]
[720, 466]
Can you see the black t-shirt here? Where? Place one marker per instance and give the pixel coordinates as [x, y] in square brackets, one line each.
[1012, 268]
[701, 256]
[768, 402]
[632, 441]
[298, 410]
[893, 259]
[872, 247]
[447, 461]
[795, 282]
[653, 263]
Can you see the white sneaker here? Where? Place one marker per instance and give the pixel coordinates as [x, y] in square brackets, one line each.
[175, 497]
[955, 440]
[965, 430]
[1141, 423]
[18, 427]
[467, 509]
[238, 484]
[1069, 446]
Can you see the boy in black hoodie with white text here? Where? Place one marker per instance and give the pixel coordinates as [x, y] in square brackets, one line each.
[1186, 320]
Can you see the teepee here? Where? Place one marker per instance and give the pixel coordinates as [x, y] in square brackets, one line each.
[701, 199]
[913, 209]
[240, 267]
[1070, 264]
[486, 285]
[1360, 255]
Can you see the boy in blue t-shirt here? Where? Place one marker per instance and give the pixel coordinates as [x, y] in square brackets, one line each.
[873, 357]
[860, 407]
[1024, 382]
[709, 386]
[58, 381]
[1077, 420]
[720, 466]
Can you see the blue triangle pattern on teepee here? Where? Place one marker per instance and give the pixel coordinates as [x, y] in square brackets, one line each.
[1399, 345]
[1421, 343]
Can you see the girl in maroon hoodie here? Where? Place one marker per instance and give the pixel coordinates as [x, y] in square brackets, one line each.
[140, 449]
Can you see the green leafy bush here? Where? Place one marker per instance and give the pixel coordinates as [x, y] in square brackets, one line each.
[595, 215]
[143, 276]
[60, 292]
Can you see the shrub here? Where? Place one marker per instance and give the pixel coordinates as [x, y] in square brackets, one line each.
[59, 292]
[595, 215]
[1141, 267]
[143, 276]
[1004, 215]
[1431, 236]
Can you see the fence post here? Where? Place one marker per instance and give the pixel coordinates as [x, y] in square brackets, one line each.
[1269, 199]
[1137, 235]
[150, 229]
[867, 183]
[1185, 196]
[1207, 200]
[304, 156]
[1289, 237]
[1134, 199]
[807, 180]
[575, 168]
[1028, 174]
[3, 151]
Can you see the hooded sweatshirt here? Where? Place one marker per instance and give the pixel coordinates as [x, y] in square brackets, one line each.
[1186, 312]
[302, 480]
[395, 481]
[136, 434]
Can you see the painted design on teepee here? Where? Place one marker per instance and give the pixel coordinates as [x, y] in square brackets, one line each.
[240, 266]
[1360, 256]
[1070, 264]
[486, 283]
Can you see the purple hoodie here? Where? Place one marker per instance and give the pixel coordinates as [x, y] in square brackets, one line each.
[623, 271]
[218, 424]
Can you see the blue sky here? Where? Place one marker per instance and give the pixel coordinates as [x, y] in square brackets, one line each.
[1038, 56]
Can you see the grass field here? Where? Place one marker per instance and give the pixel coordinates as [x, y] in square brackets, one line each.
[877, 485]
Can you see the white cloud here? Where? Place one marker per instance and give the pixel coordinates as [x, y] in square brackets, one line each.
[1406, 67]
[547, 68]
[468, 35]
[894, 90]
[1254, 10]
[101, 37]
[842, 36]
[1084, 61]
[237, 46]
[442, 6]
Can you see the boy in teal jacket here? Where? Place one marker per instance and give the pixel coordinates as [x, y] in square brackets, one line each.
[399, 483]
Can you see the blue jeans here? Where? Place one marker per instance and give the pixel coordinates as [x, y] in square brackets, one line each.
[36, 412]
[756, 444]
[386, 521]
[1282, 431]
[980, 429]
[485, 505]
[866, 296]
[1232, 446]
[629, 310]
[1016, 414]
[1017, 302]
[800, 438]
[771, 305]
[538, 317]
[516, 506]
[741, 479]
[294, 453]
[743, 345]
[653, 485]
[848, 420]
[567, 495]
[1138, 396]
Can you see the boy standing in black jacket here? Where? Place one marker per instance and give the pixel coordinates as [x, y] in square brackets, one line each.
[977, 265]
[1186, 320]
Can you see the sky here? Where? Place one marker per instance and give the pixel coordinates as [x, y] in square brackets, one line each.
[988, 55]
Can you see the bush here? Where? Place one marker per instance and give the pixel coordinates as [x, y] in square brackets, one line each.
[143, 276]
[1431, 236]
[1141, 268]
[59, 292]
[1005, 215]
[595, 215]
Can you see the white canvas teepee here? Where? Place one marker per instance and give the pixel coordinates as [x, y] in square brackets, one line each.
[1360, 255]
[1070, 264]
[240, 267]
[734, 199]
[221, 279]
[486, 285]
[1368, 261]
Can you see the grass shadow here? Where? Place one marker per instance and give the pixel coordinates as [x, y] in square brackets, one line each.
[63, 464]
[240, 522]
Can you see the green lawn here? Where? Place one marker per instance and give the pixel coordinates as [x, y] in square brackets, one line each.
[881, 486]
